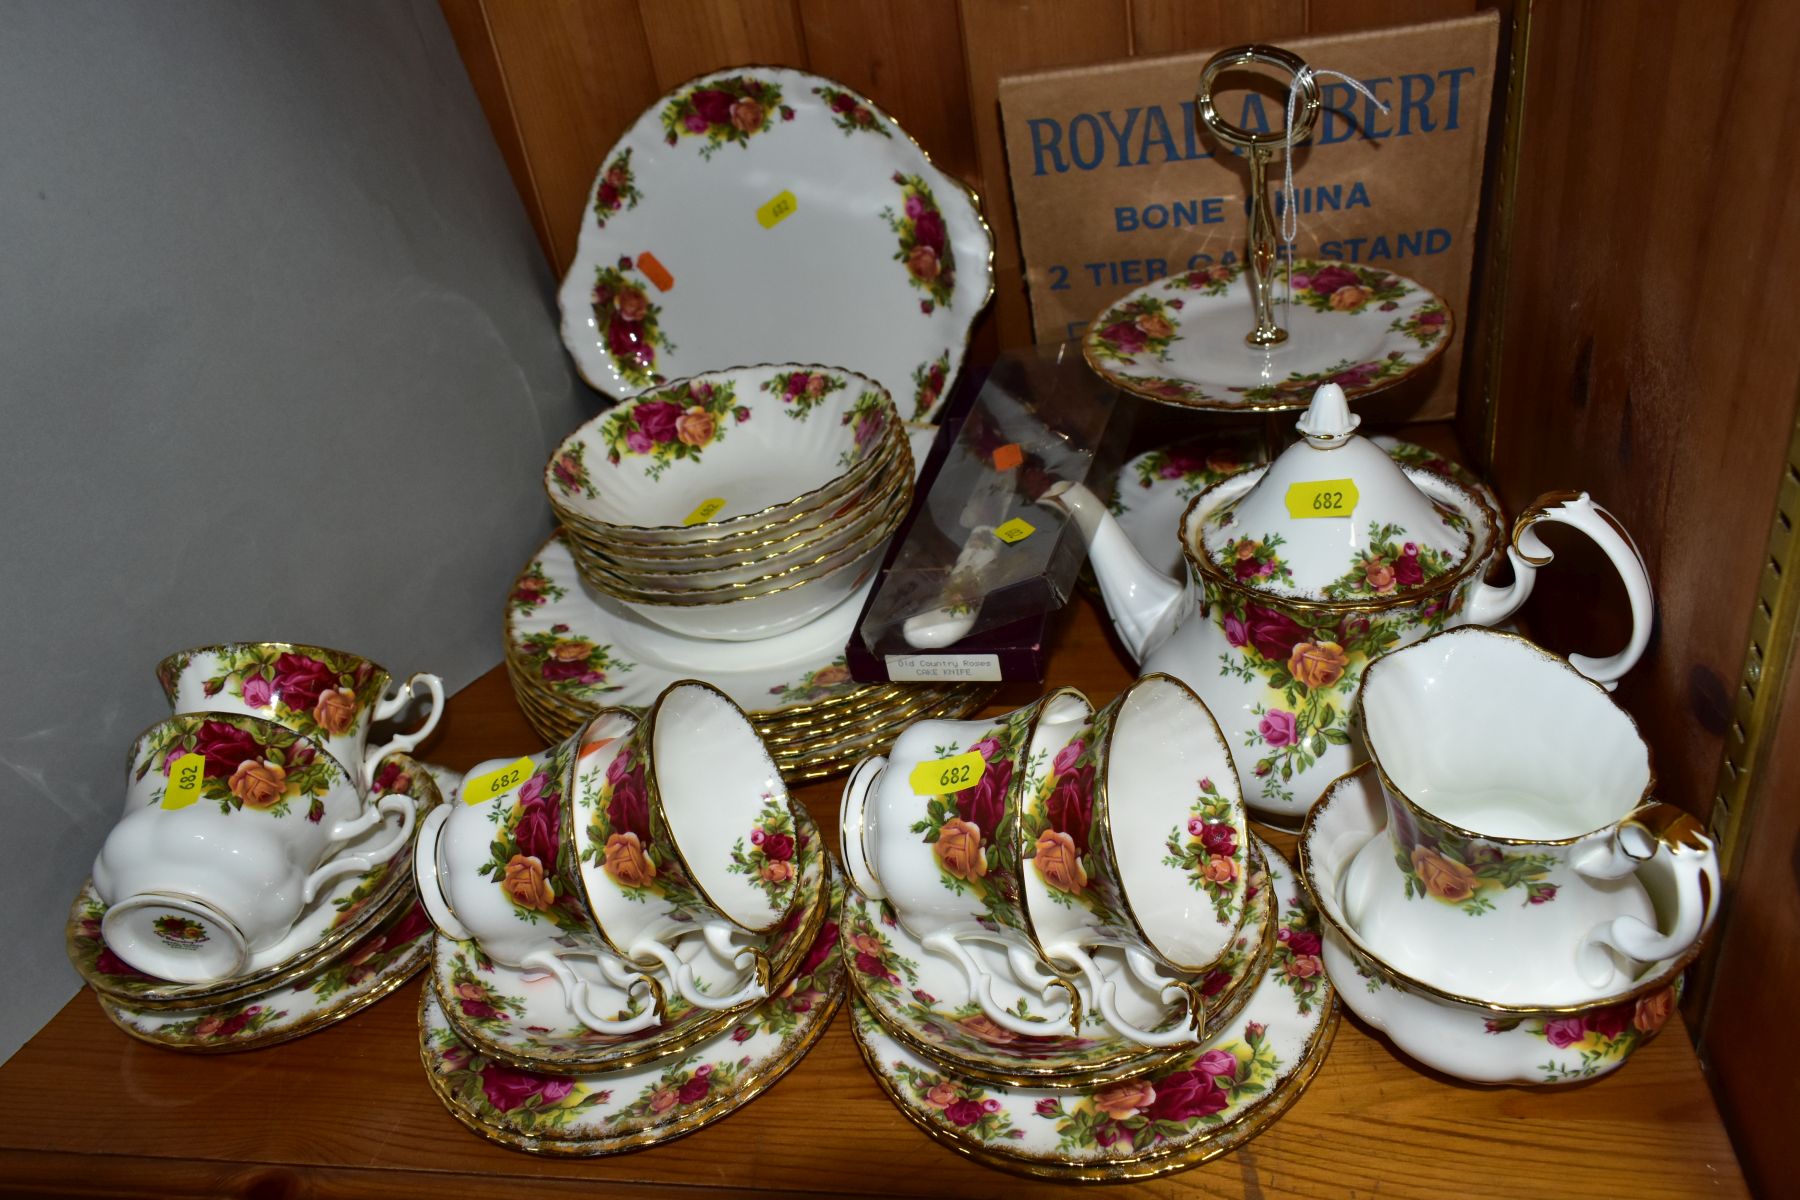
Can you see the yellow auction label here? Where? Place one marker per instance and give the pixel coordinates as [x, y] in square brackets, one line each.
[184, 781]
[496, 783]
[777, 210]
[707, 511]
[951, 774]
[1322, 498]
[1015, 530]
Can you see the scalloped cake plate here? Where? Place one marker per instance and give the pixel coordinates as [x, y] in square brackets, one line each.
[761, 215]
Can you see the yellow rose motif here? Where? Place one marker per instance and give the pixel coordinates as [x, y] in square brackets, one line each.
[1349, 298]
[1379, 574]
[1220, 869]
[922, 263]
[1154, 325]
[258, 784]
[1122, 1101]
[959, 850]
[525, 882]
[336, 710]
[572, 650]
[1653, 1010]
[1444, 878]
[1059, 862]
[1317, 664]
[626, 860]
[695, 427]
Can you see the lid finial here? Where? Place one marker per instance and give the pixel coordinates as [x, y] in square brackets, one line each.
[1328, 419]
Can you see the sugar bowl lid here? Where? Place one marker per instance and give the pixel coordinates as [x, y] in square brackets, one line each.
[1333, 518]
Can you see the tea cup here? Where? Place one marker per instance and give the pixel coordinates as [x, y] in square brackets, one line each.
[1135, 831]
[328, 695]
[1520, 813]
[227, 820]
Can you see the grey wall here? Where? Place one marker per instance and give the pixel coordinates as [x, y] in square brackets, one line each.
[278, 359]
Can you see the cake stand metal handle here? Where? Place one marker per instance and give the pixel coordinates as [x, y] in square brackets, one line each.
[1259, 149]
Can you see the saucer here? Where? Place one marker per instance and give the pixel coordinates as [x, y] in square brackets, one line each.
[521, 1019]
[1209, 1100]
[1154, 488]
[349, 982]
[606, 1112]
[1180, 340]
[768, 215]
[326, 925]
[922, 1001]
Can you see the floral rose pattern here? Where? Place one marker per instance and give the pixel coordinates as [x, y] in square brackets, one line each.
[971, 830]
[828, 680]
[724, 112]
[1437, 863]
[1208, 281]
[928, 385]
[1209, 849]
[569, 470]
[924, 241]
[849, 113]
[622, 837]
[1390, 564]
[768, 859]
[1141, 327]
[1597, 1036]
[1343, 287]
[180, 930]
[569, 664]
[629, 324]
[533, 589]
[238, 1022]
[1354, 377]
[315, 692]
[1254, 560]
[1296, 964]
[526, 860]
[966, 1107]
[1426, 325]
[247, 766]
[672, 425]
[802, 391]
[615, 190]
[1066, 850]
[868, 419]
[1198, 465]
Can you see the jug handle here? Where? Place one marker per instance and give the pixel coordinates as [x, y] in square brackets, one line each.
[1490, 605]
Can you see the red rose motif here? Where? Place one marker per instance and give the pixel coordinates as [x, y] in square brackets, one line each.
[1407, 571]
[1431, 318]
[928, 230]
[392, 779]
[299, 680]
[1273, 633]
[224, 747]
[1219, 839]
[868, 964]
[1071, 806]
[1217, 1062]
[1610, 1022]
[1185, 1096]
[985, 803]
[657, 419]
[1564, 1032]
[556, 669]
[841, 102]
[629, 809]
[414, 923]
[608, 196]
[111, 964]
[1126, 336]
[1214, 983]
[507, 1089]
[714, 108]
[479, 1010]
[963, 1112]
[695, 1088]
[778, 846]
[1303, 942]
[822, 949]
[626, 340]
[540, 823]
[1330, 279]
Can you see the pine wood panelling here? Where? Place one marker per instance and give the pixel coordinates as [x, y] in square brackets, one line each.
[1174, 26]
[692, 37]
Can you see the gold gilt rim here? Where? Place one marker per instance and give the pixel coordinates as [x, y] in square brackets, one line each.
[386, 905]
[572, 830]
[842, 481]
[1103, 804]
[954, 181]
[1473, 563]
[572, 1147]
[703, 1027]
[1248, 1123]
[1126, 1065]
[734, 593]
[401, 973]
[1142, 388]
[831, 514]
[1399, 979]
[1554, 659]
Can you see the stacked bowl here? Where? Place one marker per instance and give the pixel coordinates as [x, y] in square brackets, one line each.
[632, 934]
[248, 893]
[728, 527]
[1070, 957]
[736, 505]
[1515, 905]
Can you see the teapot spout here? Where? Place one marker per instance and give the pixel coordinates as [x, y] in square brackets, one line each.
[1145, 604]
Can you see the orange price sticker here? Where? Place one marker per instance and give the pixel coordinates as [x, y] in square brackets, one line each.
[1008, 456]
[655, 272]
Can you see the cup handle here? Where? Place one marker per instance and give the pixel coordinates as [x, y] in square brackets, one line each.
[358, 864]
[981, 988]
[1489, 605]
[1655, 828]
[428, 880]
[390, 706]
[1189, 1032]
[688, 988]
[575, 995]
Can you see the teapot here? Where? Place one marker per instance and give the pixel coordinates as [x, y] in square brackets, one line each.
[1299, 573]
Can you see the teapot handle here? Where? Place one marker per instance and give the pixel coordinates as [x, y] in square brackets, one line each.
[1489, 605]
